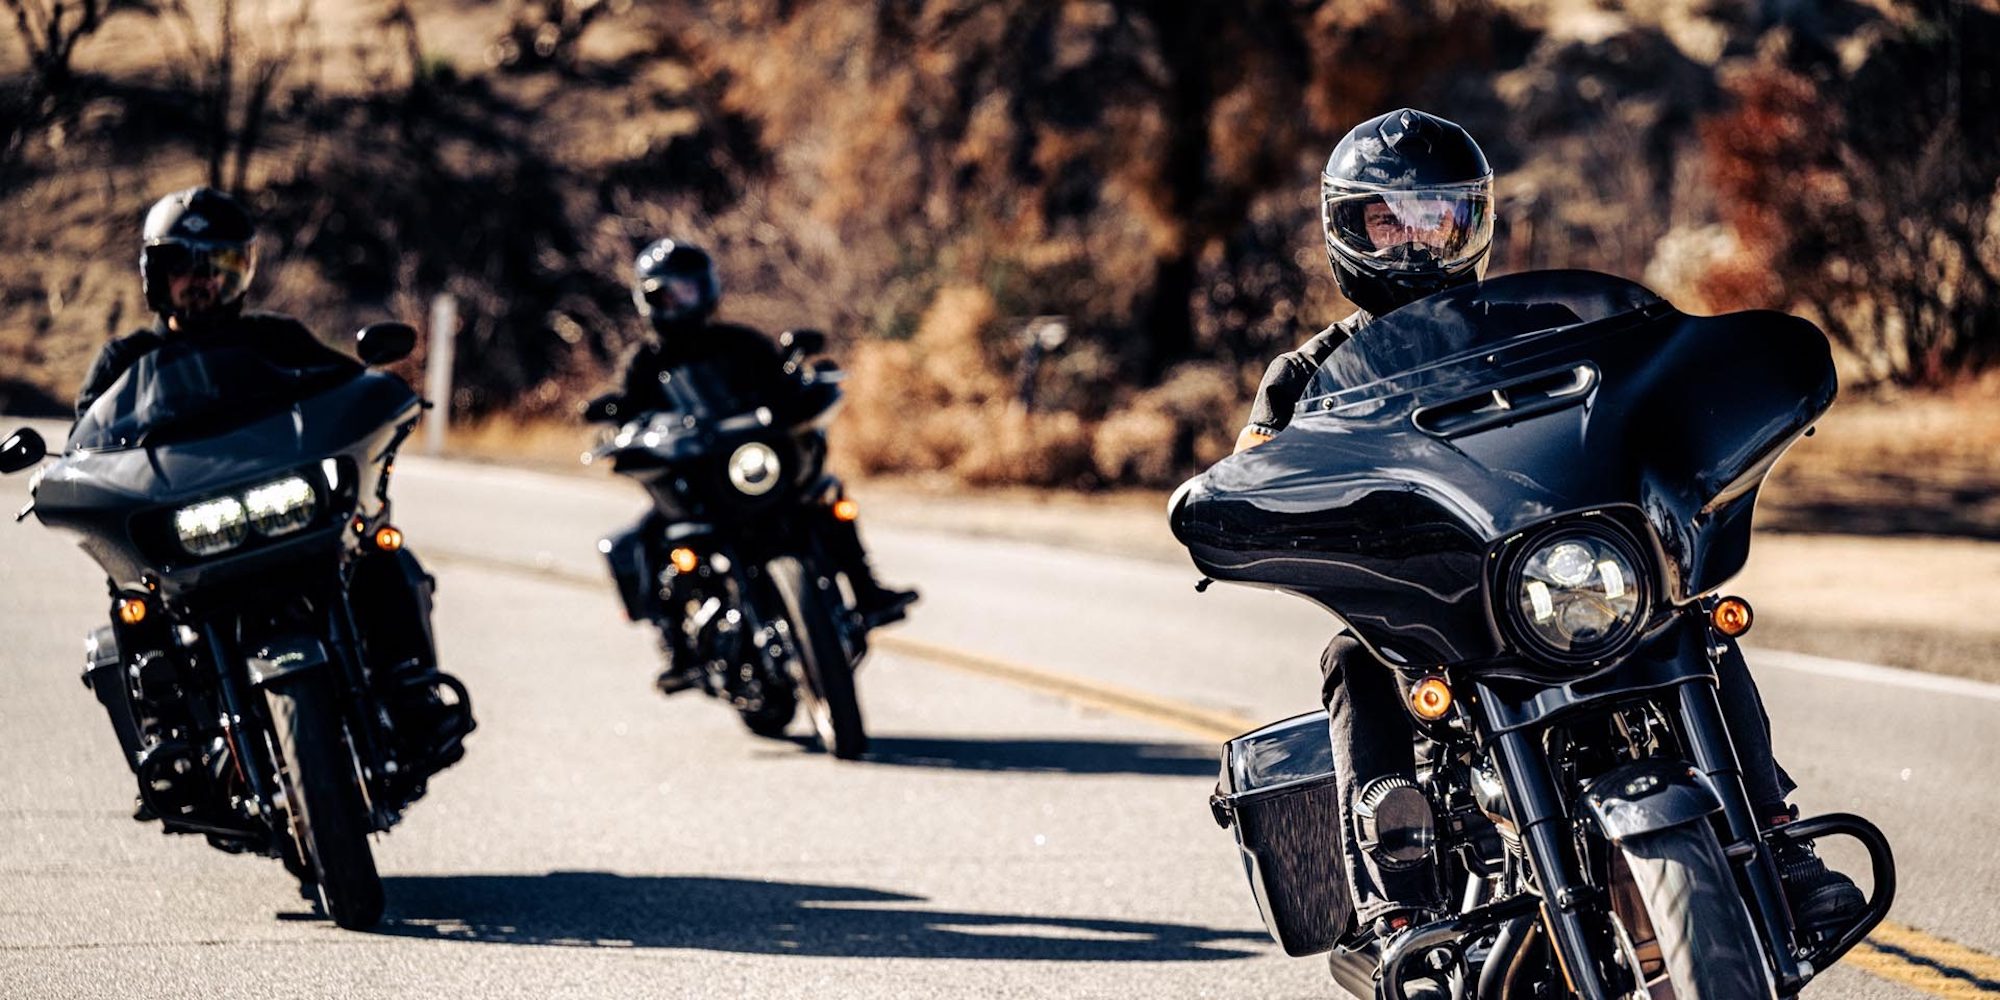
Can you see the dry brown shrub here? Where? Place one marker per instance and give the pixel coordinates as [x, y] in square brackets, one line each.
[942, 403]
[1862, 187]
[1011, 445]
[951, 343]
[1131, 446]
[1172, 430]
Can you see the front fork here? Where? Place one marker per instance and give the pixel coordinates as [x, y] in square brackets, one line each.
[1568, 903]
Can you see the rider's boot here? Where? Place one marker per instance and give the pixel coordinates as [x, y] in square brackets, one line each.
[877, 605]
[680, 671]
[1821, 898]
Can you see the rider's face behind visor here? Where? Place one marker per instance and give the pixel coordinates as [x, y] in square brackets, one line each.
[1436, 227]
[199, 276]
[672, 297]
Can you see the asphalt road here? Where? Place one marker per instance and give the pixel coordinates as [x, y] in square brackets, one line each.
[1003, 841]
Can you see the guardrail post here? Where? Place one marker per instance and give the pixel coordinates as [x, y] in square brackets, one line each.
[437, 370]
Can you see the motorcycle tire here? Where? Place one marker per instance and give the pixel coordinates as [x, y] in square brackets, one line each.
[828, 678]
[771, 720]
[330, 822]
[1709, 947]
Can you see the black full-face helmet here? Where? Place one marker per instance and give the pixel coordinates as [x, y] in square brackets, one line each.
[206, 234]
[675, 286]
[1407, 204]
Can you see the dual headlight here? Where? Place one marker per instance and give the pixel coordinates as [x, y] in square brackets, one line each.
[754, 469]
[1578, 594]
[271, 509]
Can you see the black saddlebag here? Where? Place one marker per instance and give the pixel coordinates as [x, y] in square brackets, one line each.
[104, 675]
[1277, 793]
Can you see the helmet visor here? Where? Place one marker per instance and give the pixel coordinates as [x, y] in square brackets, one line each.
[1421, 229]
[221, 272]
[672, 296]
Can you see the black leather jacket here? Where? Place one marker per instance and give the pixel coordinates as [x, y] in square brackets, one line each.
[746, 361]
[1290, 373]
[281, 338]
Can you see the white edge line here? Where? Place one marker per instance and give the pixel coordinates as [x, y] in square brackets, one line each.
[460, 471]
[1806, 663]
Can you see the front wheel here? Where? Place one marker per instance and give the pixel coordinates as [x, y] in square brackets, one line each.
[1694, 937]
[827, 681]
[329, 820]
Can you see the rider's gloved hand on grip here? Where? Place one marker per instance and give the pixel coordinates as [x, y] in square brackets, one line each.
[1251, 437]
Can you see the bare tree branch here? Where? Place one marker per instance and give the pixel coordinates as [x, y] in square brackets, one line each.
[49, 33]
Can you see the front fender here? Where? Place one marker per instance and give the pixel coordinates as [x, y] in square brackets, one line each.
[1648, 796]
[284, 657]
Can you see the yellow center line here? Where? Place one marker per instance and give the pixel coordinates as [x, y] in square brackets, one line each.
[1926, 963]
[1895, 952]
[1191, 719]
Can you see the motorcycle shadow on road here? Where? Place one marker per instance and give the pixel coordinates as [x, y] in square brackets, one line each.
[580, 909]
[1050, 756]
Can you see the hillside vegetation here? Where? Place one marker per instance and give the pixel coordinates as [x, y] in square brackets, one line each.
[932, 180]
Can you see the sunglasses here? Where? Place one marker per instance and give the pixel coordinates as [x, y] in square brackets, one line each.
[173, 260]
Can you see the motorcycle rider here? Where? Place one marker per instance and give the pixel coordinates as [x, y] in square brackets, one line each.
[196, 262]
[1406, 208]
[677, 290]
[197, 257]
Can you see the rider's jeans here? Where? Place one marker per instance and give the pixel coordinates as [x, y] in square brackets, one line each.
[1372, 738]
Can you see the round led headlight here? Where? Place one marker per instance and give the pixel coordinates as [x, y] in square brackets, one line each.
[754, 468]
[1578, 595]
[211, 526]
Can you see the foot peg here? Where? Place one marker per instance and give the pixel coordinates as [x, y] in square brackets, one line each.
[672, 682]
[886, 607]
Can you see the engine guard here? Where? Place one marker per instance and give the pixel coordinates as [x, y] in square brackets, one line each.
[1828, 948]
[1417, 941]
[439, 726]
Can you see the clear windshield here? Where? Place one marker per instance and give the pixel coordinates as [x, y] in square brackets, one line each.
[188, 391]
[1473, 320]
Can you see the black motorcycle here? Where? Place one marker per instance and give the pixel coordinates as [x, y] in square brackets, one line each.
[1522, 495]
[730, 556]
[269, 668]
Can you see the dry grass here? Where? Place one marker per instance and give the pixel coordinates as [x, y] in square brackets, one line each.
[1899, 464]
[542, 443]
[943, 403]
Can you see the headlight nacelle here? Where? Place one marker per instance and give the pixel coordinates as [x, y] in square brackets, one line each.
[279, 507]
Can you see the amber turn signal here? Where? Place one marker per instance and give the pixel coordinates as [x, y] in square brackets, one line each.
[388, 539]
[1732, 616]
[1430, 699]
[684, 560]
[846, 510]
[131, 611]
